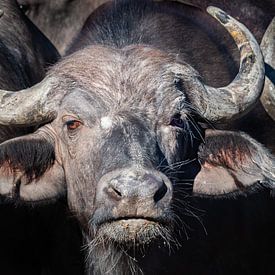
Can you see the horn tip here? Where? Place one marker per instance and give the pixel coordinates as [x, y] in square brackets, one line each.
[1, 13]
[219, 14]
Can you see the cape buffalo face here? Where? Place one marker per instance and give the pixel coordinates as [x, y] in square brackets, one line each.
[118, 131]
[120, 126]
[123, 122]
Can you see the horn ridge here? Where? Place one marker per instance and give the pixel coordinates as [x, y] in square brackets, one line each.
[234, 100]
[28, 107]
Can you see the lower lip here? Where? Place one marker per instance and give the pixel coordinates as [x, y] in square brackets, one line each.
[133, 222]
[133, 231]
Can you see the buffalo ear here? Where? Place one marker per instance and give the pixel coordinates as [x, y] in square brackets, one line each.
[232, 163]
[29, 170]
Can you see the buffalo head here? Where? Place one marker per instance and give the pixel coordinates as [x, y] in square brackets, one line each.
[119, 128]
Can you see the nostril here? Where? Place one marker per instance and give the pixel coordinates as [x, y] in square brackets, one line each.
[114, 193]
[117, 192]
[161, 192]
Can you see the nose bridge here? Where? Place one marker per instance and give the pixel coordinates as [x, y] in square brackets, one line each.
[131, 141]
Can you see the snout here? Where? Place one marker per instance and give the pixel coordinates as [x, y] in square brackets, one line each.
[135, 193]
[132, 203]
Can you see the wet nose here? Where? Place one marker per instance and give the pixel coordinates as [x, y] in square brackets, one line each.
[149, 187]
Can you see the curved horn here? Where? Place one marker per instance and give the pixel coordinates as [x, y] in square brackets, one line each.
[227, 103]
[230, 102]
[268, 49]
[31, 106]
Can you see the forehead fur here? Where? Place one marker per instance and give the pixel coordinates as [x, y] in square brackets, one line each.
[134, 73]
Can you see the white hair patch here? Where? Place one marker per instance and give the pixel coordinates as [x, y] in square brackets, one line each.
[166, 129]
[106, 122]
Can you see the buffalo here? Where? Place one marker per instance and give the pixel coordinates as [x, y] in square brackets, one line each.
[123, 125]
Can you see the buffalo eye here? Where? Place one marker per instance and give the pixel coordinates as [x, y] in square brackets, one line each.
[177, 121]
[73, 124]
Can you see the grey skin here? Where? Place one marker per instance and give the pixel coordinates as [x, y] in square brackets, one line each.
[111, 133]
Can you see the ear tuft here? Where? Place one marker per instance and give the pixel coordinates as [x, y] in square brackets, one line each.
[231, 163]
[32, 157]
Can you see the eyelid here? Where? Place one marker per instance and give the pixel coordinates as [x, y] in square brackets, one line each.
[67, 118]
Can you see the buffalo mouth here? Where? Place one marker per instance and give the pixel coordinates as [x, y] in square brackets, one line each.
[134, 231]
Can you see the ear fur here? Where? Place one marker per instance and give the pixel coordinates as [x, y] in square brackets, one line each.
[232, 163]
[29, 170]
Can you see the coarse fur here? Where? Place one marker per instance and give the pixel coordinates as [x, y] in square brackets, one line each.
[32, 157]
[105, 256]
[117, 92]
[237, 153]
[109, 28]
[61, 21]
[129, 182]
[121, 23]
